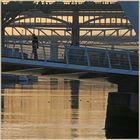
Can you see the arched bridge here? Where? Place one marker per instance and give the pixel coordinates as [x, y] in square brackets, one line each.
[75, 36]
[86, 23]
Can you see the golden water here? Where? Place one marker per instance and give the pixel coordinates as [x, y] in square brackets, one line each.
[55, 109]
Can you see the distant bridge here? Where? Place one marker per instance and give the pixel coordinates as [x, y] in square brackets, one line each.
[87, 23]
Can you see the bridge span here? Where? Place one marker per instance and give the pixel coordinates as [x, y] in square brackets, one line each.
[74, 36]
[87, 38]
[87, 23]
[104, 60]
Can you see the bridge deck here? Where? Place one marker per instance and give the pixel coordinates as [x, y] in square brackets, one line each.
[74, 58]
[108, 39]
[61, 25]
[60, 6]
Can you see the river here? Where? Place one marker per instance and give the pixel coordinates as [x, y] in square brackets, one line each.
[55, 108]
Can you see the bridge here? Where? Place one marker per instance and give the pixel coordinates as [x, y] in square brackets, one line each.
[88, 36]
[94, 38]
[82, 58]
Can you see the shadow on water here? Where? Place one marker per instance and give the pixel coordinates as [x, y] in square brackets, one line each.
[74, 84]
[5, 84]
[9, 81]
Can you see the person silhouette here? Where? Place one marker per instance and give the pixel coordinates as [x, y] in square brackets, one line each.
[34, 46]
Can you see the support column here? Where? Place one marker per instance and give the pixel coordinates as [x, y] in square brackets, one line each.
[75, 29]
[122, 110]
[126, 83]
[122, 116]
[129, 84]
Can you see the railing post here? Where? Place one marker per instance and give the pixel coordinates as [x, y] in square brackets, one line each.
[87, 56]
[108, 57]
[129, 60]
[45, 58]
[66, 53]
[22, 56]
[13, 53]
[5, 45]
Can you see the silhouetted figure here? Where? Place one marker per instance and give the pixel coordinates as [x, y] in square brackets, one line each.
[40, 3]
[35, 46]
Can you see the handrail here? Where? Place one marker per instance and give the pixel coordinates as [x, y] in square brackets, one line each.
[15, 41]
[75, 55]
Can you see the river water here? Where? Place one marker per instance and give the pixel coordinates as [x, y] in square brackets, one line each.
[55, 108]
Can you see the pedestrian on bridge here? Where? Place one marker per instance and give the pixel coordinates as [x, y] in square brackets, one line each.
[35, 46]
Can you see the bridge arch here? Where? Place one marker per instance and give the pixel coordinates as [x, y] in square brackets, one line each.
[42, 16]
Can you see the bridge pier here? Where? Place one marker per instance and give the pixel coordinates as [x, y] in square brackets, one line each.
[122, 110]
[125, 83]
[128, 86]
[75, 29]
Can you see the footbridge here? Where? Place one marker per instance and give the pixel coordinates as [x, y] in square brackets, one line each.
[80, 58]
[89, 36]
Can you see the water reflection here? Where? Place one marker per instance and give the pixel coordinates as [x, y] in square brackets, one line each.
[74, 84]
[55, 108]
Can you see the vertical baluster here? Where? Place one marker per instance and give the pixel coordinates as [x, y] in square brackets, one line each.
[87, 56]
[13, 53]
[66, 53]
[45, 58]
[21, 47]
[108, 57]
[129, 60]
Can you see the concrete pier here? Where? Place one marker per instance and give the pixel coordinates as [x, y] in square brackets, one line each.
[122, 109]
[122, 115]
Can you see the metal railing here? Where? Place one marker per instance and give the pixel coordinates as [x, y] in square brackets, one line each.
[75, 55]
